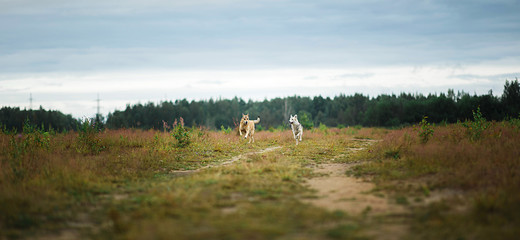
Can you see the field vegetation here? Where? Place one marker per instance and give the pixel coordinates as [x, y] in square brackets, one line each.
[473, 167]
[457, 181]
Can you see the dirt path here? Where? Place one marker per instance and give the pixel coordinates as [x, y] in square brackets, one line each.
[227, 162]
[337, 191]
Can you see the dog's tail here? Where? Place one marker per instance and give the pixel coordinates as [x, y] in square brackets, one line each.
[257, 120]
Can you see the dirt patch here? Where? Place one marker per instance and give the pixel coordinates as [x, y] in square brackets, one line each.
[227, 162]
[337, 191]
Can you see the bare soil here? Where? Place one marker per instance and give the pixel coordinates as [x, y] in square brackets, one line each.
[230, 161]
[337, 191]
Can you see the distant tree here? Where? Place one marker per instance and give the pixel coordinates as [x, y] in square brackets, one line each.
[511, 98]
[383, 110]
[14, 118]
[305, 119]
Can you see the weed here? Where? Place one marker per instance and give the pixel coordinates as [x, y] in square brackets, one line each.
[426, 131]
[402, 200]
[322, 127]
[475, 128]
[88, 141]
[227, 130]
[392, 153]
[425, 190]
[181, 133]
[30, 140]
[515, 122]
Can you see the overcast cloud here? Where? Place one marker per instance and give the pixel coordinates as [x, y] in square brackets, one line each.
[65, 52]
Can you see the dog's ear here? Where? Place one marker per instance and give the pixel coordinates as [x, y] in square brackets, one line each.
[295, 115]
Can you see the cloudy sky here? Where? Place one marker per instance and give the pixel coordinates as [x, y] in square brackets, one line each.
[67, 52]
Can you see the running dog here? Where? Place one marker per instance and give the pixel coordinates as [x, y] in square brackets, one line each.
[247, 127]
[297, 128]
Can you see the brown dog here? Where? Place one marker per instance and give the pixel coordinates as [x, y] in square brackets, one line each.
[247, 127]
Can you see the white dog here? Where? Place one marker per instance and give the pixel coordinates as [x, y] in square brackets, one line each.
[297, 128]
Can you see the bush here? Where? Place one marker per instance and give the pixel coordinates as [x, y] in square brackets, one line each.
[305, 120]
[31, 139]
[181, 133]
[225, 130]
[426, 131]
[322, 127]
[475, 128]
[89, 141]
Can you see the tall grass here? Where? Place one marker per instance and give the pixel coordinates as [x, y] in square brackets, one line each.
[48, 180]
[478, 158]
[45, 176]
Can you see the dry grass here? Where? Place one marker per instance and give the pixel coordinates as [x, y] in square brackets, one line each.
[486, 171]
[125, 184]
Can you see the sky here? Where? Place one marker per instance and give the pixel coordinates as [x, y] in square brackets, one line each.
[64, 54]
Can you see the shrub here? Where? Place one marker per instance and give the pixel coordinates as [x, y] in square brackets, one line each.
[515, 122]
[426, 131]
[225, 130]
[322, 127]
[281, 128]
[181, 133]
[475, 128]
[305, 120]
[31, 139]
[89, 141]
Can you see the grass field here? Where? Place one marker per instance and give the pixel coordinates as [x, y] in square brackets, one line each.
[457, 181]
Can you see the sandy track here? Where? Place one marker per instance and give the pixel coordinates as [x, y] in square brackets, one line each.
[337, 191]
[227, 162]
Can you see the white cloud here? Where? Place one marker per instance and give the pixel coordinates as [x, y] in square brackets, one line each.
[65, 52]
[105, 7]
[75, 92]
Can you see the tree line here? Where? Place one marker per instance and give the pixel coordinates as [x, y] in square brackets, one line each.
[16, 118]
[358, 109]
[386, 110]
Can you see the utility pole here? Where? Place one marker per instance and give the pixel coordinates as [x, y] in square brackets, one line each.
[98, 113]
[30, 101]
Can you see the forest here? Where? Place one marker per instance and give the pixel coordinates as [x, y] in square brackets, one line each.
[384, 110]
